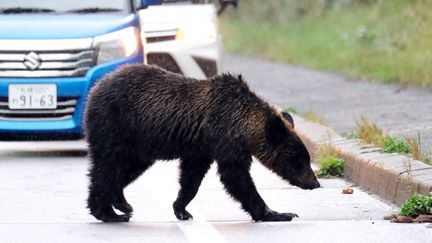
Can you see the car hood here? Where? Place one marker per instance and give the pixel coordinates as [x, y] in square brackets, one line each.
[61, 26]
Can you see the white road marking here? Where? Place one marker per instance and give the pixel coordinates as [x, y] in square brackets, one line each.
[197, 230]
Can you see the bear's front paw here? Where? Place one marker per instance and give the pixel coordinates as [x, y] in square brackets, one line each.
[275, 216]
[183, 214]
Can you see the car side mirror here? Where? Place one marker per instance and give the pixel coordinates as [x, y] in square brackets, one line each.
[225, 3]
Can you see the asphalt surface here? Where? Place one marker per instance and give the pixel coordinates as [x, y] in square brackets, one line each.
[340, 101]
[43, 187]
[43, 192]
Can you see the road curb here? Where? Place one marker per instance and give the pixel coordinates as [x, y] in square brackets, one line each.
[384, 174]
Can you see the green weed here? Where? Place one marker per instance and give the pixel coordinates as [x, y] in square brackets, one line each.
[370, 133]
[395, 145]
[331, 166]
[417, 205]
[329, 161]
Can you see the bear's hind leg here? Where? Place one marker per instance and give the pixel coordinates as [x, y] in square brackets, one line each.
[129, 175]
[102, 190]
[120, 202]
[192, 172]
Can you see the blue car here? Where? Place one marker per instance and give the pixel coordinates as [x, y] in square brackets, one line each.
[52, 52]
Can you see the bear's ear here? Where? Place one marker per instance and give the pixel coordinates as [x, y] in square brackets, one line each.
[275, 130]
[288, 117]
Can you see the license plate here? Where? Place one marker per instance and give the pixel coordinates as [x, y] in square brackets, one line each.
[32, 96]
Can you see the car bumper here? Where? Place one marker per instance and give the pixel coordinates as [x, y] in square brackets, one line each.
[199, 59]
[76, 87]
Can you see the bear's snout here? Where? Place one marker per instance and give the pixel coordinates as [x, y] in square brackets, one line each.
[307, 180]
[310, 185]
[314, 185]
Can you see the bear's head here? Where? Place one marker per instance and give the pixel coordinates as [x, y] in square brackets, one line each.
[284, 153]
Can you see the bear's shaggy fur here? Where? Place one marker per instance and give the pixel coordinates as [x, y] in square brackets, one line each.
[140, 114]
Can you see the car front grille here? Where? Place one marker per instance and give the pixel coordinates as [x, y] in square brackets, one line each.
[165, 61]
[64, 63]
[66, 106]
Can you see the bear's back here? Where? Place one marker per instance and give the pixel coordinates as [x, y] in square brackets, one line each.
[169, 112]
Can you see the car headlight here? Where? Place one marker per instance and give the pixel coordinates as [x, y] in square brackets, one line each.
[116, 45]
[196, 31]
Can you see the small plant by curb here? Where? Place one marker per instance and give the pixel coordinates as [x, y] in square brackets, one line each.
[416, 152]
[370, 133]
[417, 208]
[329, 162]
[417, 205]
[395, 145]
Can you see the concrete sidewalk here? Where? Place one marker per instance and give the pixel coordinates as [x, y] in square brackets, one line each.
[43, 200]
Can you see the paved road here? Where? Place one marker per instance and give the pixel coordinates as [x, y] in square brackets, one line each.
[43, 194]
[43, 189]
[340, 101]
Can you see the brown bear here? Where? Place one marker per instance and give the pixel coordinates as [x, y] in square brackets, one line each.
[140, 114]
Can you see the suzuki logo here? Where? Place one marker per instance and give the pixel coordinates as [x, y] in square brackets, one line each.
[32, 61]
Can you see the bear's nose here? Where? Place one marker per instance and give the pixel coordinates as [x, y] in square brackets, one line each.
[316, 185]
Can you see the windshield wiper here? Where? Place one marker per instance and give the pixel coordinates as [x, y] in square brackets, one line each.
[94, 10]
[19, 10]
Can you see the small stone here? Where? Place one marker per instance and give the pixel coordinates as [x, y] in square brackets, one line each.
[402, 219]
[348, 191]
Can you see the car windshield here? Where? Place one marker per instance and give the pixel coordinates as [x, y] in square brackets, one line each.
[55, 6]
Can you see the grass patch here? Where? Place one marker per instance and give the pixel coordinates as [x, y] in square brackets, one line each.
[330, 163]
[395, 145]
[379, 41]
[313, 117]
[291, 110]
[417, 205]
[370, 133]
[416, 152]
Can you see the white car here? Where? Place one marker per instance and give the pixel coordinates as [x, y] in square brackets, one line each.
[182, 37]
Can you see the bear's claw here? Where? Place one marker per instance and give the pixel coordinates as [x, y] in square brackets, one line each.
[183, 215]
[275, 216]
[124, 207]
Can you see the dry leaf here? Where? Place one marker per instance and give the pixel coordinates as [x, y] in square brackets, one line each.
[347, 191]
[402, 219]
[424, 218]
